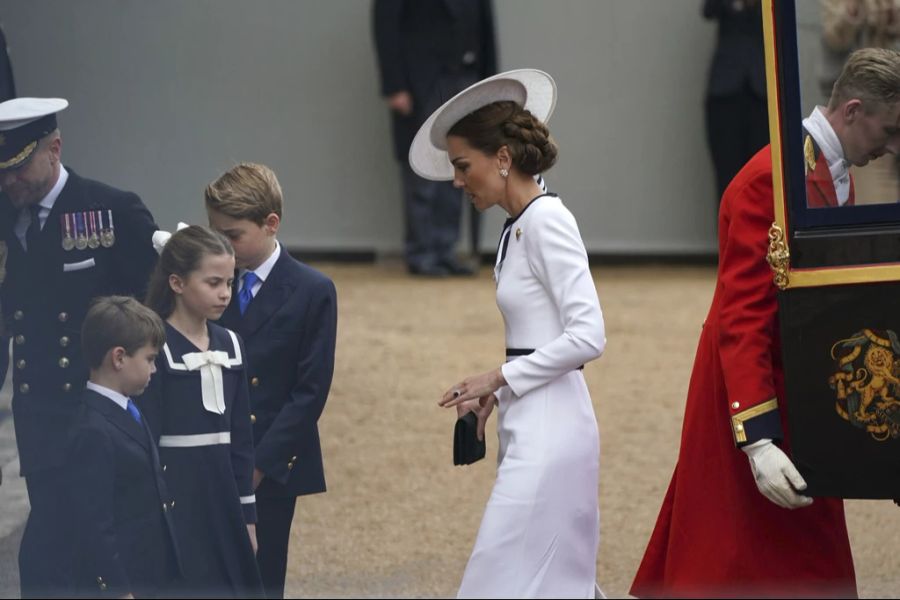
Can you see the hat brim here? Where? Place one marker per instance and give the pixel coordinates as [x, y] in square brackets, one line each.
[530, 88]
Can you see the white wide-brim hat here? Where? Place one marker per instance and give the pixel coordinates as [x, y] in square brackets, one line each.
[532, 89]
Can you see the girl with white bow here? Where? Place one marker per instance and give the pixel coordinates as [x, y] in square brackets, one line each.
[197, 405]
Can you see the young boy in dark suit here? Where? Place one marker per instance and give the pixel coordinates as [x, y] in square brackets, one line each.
[286, 313]
[124, 544]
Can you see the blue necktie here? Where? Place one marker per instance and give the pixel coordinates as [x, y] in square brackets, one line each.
[246, 294]
[133, 411]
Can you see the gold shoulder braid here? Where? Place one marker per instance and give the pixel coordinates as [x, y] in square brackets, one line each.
[809, 154]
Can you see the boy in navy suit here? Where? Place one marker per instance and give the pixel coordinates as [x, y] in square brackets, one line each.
[124, 544]
[286, 313]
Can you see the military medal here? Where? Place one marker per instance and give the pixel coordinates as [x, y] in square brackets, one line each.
[81, 240]
[68, 242]
[93, 238]
[107, 236]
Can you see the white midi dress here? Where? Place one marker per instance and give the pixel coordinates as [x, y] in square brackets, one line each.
[540, 530]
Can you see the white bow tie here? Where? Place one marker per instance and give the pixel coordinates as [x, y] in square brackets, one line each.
[210, 365]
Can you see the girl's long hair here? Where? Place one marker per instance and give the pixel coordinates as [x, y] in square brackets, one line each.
[181, 256]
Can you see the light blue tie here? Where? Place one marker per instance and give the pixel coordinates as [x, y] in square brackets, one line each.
[246, 294]
[133, 411]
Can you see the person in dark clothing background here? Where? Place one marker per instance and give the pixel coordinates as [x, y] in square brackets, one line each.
[7, 83]
[737, 123]
[428, 51]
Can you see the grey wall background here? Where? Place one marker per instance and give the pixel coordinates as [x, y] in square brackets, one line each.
[167, 94]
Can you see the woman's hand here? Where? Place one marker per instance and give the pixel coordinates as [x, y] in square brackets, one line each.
[251, 531]
[482, 407]
[473, 388]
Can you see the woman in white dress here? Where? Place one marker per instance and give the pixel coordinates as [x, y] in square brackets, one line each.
[540, 530]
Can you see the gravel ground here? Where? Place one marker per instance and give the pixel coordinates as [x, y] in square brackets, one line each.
[400, 520]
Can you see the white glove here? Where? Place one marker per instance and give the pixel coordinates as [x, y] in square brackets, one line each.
[776, 476]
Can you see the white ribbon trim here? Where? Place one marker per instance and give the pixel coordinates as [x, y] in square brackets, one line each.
[237, 361]
[248, 499]
[192, 441]
[160, 237]
[210, 365]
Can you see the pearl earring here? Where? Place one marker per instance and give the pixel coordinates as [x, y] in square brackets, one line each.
[504, 173]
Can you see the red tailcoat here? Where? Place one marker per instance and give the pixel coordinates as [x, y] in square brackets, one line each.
[716, 535]
[820, 191]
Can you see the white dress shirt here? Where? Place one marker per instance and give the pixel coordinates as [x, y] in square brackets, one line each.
[262, 271]
[113, 395]
[46, 205]
[818, 126]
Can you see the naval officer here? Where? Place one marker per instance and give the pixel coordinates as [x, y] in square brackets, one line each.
[69, 240]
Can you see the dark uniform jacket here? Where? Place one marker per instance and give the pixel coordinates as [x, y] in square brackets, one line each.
[45, 296]
[739, 60]
[289, 332]
[419, 41]
[122, 510]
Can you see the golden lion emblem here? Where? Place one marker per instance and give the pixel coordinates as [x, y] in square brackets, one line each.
[867, 382]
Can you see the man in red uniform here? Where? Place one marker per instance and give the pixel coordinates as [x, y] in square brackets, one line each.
[857, 126]
[726, 527]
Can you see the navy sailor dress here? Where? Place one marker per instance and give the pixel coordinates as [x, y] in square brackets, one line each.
[197, 406]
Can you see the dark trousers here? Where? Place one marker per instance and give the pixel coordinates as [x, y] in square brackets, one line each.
[45, 556]
[737, 127]
[433, 212]
[273, 531]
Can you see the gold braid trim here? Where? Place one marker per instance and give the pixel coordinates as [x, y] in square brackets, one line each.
[737, 421]
[19, 157]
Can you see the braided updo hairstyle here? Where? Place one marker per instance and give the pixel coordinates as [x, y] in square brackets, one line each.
[505, 123]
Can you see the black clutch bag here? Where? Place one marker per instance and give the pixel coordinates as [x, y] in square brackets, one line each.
[467, 448]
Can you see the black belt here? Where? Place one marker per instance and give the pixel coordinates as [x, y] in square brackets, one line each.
[526, 352]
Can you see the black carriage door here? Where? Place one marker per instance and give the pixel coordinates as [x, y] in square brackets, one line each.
[835, 254]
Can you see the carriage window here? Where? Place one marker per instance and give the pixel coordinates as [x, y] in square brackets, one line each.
[838, 142]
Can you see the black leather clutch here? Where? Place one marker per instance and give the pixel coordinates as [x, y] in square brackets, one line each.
[467, 448]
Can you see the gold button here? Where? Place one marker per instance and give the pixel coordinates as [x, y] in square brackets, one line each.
[165, 507]
[290, 465]
[64, 362]
[293, 458]
[64, 341]
[20, 339]
[24, 388]
[253, 418]
[67, 387]
[99, 580]
[63, 317]
[254, 382]
[172, 504]
[18, 315]
[738, 427]
[735, 405]
[102, 587]
[21, 364]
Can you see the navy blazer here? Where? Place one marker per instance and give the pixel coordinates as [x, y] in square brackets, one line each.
[289, 332]
[45, 297]
[418, 41]
[122, 511]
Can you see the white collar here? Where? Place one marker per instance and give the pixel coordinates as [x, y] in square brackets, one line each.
[113, 395]
[821, 130]
[263, 270]
[50, 199]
